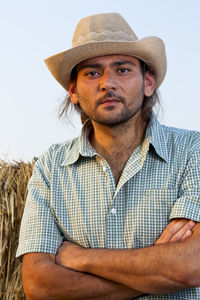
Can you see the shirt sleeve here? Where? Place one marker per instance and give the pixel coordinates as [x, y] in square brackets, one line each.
[39, 232]
[188, 203]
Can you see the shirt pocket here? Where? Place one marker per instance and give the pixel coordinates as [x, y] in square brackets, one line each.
[153, 214]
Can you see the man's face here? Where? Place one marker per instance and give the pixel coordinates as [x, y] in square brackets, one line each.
[110, 89]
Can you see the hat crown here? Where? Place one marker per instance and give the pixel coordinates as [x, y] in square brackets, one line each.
[103, 28]
[107, 34]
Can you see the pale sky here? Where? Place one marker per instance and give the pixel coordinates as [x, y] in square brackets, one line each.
[30, 31]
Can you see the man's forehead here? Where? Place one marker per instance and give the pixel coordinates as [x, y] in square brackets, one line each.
[108, 59]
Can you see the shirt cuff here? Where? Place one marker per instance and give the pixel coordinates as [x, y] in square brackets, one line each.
[187, 209]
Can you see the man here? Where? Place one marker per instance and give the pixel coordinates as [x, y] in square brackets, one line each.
[114, 213]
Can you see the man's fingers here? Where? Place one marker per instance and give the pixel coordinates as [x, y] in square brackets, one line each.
[176, 231]
[186, 235]
[185, 232]
[170, 230]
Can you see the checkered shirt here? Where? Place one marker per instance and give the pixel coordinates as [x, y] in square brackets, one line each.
[73, 196]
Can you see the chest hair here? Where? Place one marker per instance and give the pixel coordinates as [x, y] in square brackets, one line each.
[117, 162]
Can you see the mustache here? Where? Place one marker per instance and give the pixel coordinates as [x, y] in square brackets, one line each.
[109, 95]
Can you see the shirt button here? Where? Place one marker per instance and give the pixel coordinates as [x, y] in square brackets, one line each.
[113, 211]
[104, 169]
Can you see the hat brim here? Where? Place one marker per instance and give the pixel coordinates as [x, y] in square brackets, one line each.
[150, 49]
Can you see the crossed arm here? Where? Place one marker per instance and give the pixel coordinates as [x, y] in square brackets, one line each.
[116, 274]
[162, 268]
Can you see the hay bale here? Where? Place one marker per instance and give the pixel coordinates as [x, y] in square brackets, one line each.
[13, 191]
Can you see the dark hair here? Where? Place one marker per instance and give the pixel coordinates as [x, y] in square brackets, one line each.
[148, 103]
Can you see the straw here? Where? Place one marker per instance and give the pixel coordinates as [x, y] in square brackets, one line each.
[14, 177]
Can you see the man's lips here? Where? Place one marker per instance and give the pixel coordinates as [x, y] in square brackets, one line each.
[110, 101]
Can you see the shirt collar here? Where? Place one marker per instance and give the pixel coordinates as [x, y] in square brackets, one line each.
[156, 133]
[82, 147]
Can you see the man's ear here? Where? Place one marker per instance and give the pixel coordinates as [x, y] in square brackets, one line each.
[73, 93]
[149, 84]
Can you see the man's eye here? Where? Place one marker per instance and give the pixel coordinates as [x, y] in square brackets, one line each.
[92, 73]
[124, 70]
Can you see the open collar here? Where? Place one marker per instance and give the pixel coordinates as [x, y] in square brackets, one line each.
[82, 147]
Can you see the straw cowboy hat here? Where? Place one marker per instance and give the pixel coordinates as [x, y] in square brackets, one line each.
[105, 34]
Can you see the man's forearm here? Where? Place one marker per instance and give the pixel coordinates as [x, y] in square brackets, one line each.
[140, 269]
[158, 269]
[43, 279]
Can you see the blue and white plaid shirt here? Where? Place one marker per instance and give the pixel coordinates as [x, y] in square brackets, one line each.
[73, 196]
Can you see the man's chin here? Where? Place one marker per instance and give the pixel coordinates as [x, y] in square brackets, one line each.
[111, 122]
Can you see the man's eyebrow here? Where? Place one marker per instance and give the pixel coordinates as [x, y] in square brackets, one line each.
[123, 62]
[92, 66]
[97, 65]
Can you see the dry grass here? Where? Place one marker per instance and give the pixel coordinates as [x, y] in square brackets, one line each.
[13, 190]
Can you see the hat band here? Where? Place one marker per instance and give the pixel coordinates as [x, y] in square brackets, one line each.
[106, 35]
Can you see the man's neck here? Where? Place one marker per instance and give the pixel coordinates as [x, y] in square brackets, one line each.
[117, 143]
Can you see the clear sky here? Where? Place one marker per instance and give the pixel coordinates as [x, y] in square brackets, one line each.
[33, 30]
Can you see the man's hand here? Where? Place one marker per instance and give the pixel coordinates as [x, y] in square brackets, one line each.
[70, 255]
[177, 230]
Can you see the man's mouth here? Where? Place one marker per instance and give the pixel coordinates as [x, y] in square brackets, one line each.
[110, 100]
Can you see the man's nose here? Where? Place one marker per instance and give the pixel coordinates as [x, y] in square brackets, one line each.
[108, 81]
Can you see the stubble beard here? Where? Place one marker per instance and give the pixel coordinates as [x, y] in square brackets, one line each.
[114, 119]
